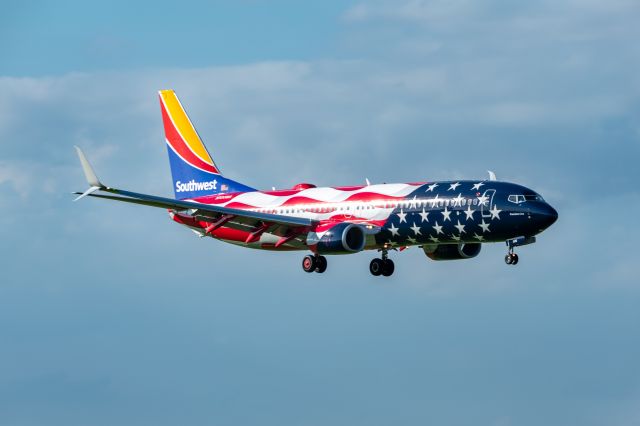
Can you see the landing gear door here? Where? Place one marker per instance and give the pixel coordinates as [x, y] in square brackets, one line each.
[488, 203]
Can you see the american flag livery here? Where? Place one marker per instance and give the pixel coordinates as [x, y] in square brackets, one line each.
[448, 220]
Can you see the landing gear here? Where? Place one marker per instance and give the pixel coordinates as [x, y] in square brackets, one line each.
[384, 266]
[511, 259]
[316, 263]
[388, 267]
[375, 267]
[321, 264]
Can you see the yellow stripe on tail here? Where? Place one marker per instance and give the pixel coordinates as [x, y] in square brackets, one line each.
[184, 126]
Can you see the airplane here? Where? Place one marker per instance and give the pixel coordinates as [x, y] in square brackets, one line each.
[449, 220]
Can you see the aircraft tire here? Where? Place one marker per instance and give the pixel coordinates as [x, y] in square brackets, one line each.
[376, 266]
[388, 267]
[321, 264]
[309, 263]
[514, 259]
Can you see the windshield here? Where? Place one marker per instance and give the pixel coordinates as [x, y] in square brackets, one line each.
[519, 198]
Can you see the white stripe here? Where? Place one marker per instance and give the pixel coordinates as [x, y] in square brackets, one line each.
[259, 199]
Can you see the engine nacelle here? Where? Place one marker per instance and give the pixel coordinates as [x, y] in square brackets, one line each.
[343, 238]
[452, 251]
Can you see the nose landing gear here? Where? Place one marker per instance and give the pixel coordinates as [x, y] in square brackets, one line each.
[383, 266]
[315, 263]
[511, 258]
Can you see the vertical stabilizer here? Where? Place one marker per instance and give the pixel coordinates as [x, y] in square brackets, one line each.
[193, 170]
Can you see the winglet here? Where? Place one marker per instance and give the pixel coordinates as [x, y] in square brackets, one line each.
[89, 174]
[87, 192]
[492, 176]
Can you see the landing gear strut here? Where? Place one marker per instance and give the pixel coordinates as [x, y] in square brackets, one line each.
[384, 266]
[315, 263]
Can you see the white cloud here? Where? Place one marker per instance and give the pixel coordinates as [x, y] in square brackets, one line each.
[261, 117]
[17, 176]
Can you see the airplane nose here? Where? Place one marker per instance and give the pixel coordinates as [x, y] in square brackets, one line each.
[546, 216]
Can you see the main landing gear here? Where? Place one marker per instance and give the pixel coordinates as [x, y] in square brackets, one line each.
[384, 266]
[317, 263]
[377, 267]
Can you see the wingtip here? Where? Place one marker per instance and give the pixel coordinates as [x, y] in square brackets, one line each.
[87, 192]
[89, 173]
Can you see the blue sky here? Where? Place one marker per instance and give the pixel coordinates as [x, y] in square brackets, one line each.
[111, 314]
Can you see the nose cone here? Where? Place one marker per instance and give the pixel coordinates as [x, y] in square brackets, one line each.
[544, 216]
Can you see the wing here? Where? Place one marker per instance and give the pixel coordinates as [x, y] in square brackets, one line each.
[256, 223]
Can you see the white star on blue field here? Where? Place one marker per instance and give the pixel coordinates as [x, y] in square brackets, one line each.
[112, 314]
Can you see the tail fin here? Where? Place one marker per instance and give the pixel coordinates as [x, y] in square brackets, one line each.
[193, 171]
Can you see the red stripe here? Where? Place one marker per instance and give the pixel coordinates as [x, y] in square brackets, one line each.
[371, 196]
[303, 200]
[176, 142]
[338, 219]
[217, 198]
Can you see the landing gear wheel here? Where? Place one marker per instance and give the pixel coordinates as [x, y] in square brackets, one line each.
[376, 267]
[309, 263]
[511, 259]
[387, 267]
[321, 264]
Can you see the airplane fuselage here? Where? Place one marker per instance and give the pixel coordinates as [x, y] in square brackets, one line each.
[410, 214]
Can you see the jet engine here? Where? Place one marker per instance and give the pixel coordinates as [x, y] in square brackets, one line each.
[452, 251]
[344, 238]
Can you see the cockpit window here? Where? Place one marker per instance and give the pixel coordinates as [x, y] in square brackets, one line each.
[518, 199]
